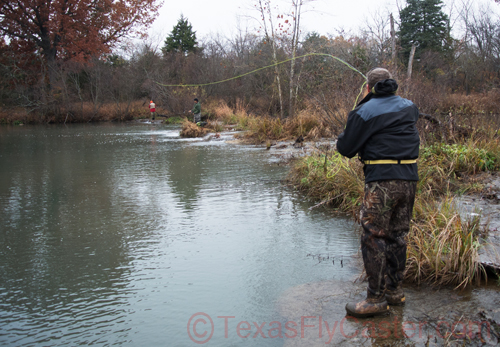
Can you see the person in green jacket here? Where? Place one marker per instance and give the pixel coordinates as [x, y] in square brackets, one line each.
[196, 111]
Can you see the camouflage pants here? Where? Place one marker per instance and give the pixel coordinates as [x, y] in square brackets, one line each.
[385, 217]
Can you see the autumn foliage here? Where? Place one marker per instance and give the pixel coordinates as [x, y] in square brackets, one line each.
[70, 29]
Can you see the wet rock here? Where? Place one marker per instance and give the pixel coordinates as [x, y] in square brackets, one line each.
[489, 253]
[299, 142]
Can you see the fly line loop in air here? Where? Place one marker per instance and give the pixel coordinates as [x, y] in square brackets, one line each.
[272, 65]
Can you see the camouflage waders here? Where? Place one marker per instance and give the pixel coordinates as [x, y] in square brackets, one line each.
[385, 217]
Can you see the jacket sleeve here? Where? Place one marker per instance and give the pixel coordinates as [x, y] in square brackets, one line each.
[355, 135]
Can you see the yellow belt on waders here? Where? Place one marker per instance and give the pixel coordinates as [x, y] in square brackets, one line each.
[390, 161]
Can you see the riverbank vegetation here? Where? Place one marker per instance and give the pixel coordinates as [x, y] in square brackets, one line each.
[262, 129]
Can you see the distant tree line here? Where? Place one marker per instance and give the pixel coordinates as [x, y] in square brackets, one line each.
[54, 67]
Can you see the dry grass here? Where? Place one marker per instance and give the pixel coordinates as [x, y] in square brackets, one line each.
[225, 115]
[471, 105]
[14, 114]
[260, 129]
[442, 246]
[190, 129]
[79, 112]
[222, 111]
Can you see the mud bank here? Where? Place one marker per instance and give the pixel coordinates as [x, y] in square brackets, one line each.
[285, 151]
[431, 317]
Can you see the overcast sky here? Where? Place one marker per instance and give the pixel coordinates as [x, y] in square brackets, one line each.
[210, 17]
[221, 16]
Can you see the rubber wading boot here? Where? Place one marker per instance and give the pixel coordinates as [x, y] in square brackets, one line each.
[395, 297]
[368, 308]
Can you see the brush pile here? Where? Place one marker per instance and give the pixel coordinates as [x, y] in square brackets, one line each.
[190, 129]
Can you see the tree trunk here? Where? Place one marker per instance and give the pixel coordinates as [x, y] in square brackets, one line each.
[278, 80]
[49, 79]
[271, 38]
[295, 42]
[50, 58]
[393, 43]
[410, 67]
[410, 61]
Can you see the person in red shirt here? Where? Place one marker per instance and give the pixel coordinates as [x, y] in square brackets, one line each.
[152, 109]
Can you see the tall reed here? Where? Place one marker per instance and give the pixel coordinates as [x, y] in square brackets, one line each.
[443, 246]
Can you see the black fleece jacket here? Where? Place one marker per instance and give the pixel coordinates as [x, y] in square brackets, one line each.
[383, 126]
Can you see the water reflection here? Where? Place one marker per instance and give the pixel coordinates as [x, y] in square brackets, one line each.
[118, 234]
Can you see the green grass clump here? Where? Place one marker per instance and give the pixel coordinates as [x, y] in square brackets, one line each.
[452, 168]
[458, 157]
[336, 180]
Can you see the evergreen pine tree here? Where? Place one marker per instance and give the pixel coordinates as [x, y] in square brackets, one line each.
[182, 39]
[423, 23]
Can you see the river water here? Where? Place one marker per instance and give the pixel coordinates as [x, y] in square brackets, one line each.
[129, 235]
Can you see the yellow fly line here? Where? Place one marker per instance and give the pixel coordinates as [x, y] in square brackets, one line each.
[268, 66]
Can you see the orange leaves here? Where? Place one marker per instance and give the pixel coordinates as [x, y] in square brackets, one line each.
[73, 29]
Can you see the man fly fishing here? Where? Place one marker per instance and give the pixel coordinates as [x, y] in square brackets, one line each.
[196, 111]
[382, 131]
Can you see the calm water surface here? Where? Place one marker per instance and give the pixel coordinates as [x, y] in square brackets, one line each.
[119, 234]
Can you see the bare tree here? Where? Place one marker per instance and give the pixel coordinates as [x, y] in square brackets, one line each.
[377, 29]
[479, 53]
[296, 13]
[264, 7]
[393, 43]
